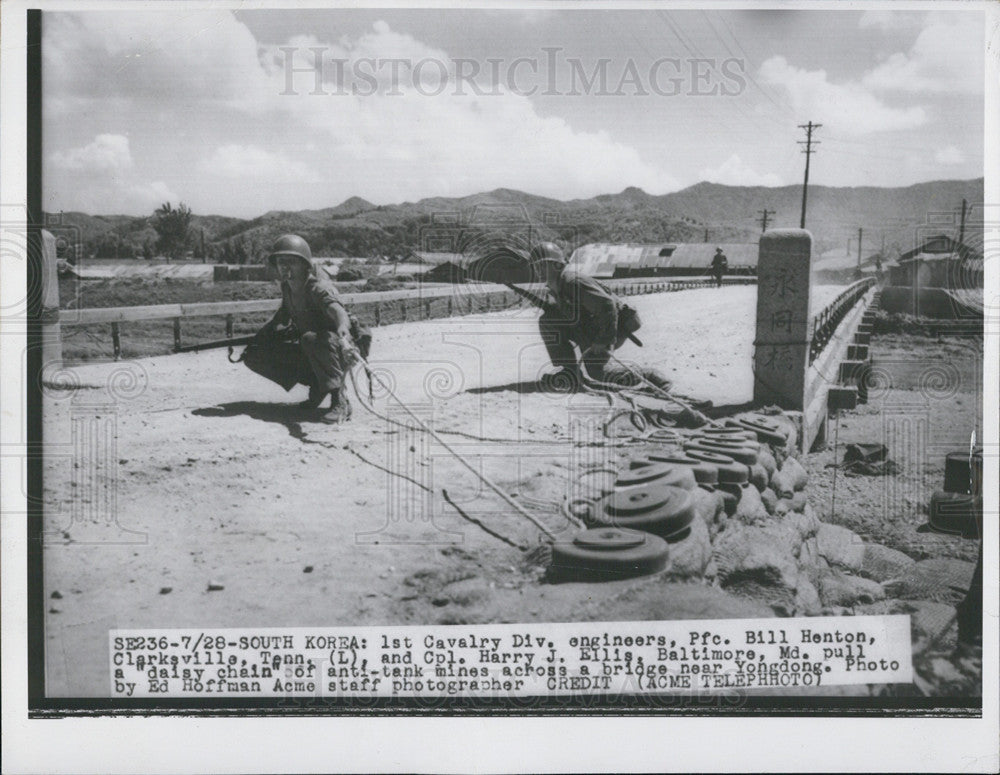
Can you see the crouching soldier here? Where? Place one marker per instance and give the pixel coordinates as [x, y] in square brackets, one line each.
[312, 339]
[583, 314]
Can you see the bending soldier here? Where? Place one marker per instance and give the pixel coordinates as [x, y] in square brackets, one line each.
[587, 315]
[311, 338]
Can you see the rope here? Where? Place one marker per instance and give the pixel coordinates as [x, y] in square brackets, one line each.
[479, 524]
[371, 409]
[389, 471]
[664, 393]
[437, 437]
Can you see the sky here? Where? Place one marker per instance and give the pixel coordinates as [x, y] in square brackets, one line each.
[229, 112]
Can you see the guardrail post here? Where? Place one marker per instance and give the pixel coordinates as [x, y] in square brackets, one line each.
[116, 341]
[402, 309]
[451, 307]
[378, 313]
[229, 326]
[177, 333]
[781, 352]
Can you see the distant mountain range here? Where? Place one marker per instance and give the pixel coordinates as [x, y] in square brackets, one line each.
[357, 227]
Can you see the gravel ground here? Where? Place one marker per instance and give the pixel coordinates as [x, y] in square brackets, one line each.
[927, 402]
[210, 486]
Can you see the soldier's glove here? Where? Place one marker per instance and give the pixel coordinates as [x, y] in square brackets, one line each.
[350, 351]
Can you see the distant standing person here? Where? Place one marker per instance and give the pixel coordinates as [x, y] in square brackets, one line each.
[719, 266]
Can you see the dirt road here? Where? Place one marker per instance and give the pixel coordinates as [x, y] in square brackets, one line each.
[190, 473]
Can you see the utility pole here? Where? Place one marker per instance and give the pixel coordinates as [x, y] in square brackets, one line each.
[808, 151]
[859, 248]
[764, 214]
[961, 229]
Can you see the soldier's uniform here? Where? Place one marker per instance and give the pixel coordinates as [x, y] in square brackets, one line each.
[587, 315]
[311, 338]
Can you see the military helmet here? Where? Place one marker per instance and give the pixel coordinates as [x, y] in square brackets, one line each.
[547, 251]
[290, 245]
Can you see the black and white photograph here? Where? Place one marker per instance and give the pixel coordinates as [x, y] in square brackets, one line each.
[580, 362]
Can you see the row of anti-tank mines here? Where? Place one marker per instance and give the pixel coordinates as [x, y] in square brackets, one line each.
[740, 470]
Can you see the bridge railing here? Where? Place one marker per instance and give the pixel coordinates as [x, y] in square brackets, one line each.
[824, 323]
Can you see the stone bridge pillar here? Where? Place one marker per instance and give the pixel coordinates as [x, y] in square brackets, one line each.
[781, 352]
[49, 306]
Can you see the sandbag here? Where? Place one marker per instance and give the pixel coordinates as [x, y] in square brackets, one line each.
[797, 475]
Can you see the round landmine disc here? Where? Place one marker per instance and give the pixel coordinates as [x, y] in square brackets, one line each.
[730, 439]
[766, 429]
[660, 473]
[609, 539]
[734, 431]
[641, 500]
[722, 441]
[659, 509]
[744, 455]
[679, 536]
[608, 553]
[704, 473]
[728, 469]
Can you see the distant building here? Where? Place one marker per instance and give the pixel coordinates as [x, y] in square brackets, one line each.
[488, 263]
[606, 260]
[941, 278]
[940, 262]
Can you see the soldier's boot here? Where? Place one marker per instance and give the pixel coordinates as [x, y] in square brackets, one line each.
[340, 408]
[657, 379]
[316, 396]
[566, 380]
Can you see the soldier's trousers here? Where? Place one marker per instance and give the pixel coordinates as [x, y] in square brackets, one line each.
[560, 336]
[316, 360]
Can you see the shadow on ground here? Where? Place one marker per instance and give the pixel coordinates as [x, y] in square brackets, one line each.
[288, 415]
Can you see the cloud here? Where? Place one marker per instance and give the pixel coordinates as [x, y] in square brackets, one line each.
[100, 177]
[949, 155]
[947, 56]
[403, 142]
[106, 155]
[890, 21]
[148, 57]
[251, 161]
[735, 172]
[848, 108]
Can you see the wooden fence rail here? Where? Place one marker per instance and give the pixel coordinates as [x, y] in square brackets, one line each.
[414, 304]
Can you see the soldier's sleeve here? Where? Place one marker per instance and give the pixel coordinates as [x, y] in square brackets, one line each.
[332, 309]
[600, 304]
[282, 316]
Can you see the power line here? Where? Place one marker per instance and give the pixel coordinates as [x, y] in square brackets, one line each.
[808, 151]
